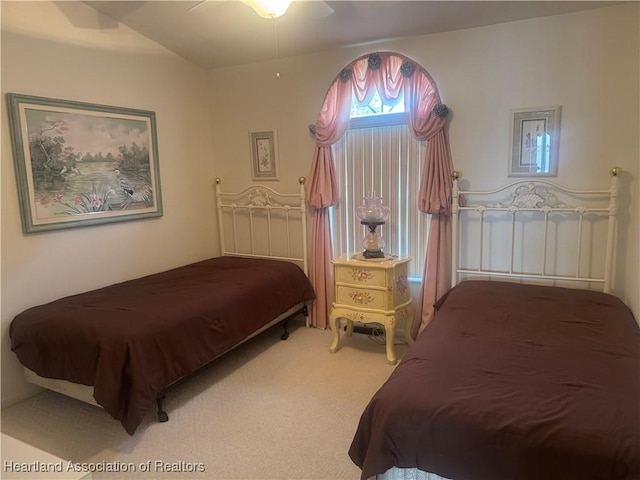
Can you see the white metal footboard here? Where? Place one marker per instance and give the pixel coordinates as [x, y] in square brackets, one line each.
[546, 205]
[283, 237]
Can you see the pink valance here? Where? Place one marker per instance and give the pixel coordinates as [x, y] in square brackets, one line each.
[390, 74]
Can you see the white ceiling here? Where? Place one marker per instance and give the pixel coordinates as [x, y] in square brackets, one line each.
[222, 33]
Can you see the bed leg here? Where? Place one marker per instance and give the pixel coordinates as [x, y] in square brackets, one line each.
[162, 415]
[285, 335]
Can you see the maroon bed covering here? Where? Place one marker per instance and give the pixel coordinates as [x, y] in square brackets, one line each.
[512, 381]
[133, 339]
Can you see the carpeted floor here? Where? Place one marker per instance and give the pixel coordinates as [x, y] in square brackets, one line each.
[270, 409]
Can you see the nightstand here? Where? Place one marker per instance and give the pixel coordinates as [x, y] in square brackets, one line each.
[374, 290]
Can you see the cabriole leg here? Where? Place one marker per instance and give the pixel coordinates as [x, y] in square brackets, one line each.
[285, 335]
[334, 323]
[390, 332]
[162, 415]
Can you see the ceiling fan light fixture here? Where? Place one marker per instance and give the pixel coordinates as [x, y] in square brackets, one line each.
[268, 8]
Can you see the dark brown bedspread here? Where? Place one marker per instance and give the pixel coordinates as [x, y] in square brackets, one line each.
[133, 339]
[512, 382]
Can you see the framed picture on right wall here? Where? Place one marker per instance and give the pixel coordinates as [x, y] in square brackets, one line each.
[534, 142]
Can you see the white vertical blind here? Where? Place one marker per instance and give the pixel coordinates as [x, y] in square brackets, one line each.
[386, 160]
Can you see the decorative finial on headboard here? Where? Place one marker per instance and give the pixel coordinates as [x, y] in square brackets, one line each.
[302, 180]
[616, 171]
[218, 180]
[456, 174]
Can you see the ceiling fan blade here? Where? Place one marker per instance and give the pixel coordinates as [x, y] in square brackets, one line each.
[202, 2]
[193, 7]
[319, 9]
[312, 9]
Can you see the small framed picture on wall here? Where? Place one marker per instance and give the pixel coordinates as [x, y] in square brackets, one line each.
[534, 142]
[264, 151]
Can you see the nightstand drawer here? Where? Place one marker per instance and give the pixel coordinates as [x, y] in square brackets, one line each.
[362, 297]
[360, 276]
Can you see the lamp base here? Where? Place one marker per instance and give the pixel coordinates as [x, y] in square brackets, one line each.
[373, 254]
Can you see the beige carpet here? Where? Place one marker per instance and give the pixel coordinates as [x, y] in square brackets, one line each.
[270, 409]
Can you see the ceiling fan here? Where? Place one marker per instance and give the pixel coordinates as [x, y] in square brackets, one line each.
[272, 9]
[277, 8]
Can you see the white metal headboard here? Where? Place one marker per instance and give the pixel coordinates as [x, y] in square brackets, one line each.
[282, 214]
[540, 199]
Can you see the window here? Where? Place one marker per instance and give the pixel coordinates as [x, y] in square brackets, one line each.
[376, 108]
[379, 154]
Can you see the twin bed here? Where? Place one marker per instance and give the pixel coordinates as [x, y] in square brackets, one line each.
[125, 345]
[520, 375]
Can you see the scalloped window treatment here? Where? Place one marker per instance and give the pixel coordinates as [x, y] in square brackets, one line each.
[390, 73]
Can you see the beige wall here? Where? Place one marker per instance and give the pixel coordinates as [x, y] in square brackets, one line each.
[67, 51]
[587, 62]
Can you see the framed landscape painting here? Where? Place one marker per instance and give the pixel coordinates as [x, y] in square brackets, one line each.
[80, 164]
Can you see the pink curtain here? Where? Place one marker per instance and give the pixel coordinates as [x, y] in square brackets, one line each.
[322, 192]
[428, 123]
[390, 74]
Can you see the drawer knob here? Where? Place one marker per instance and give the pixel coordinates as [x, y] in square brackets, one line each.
[361, 298]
